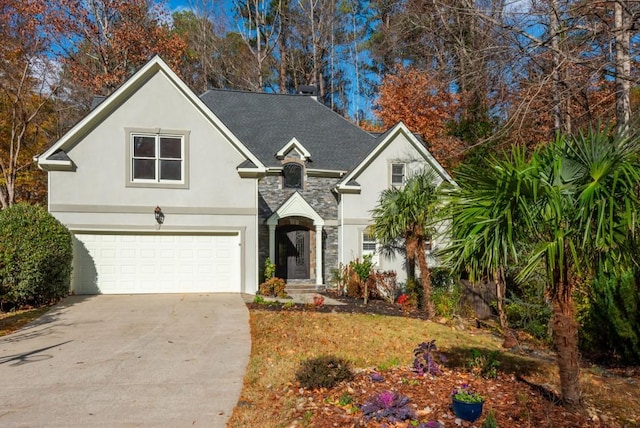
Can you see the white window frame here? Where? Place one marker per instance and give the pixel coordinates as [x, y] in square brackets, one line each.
[157, 134]
[393, 175]
[367, 239]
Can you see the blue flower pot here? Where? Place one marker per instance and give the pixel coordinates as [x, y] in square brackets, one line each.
[467, 411]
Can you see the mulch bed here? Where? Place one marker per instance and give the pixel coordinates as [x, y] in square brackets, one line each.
[513, 403]
[349, 305]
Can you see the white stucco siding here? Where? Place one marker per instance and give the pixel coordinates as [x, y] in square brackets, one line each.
[101, 156]
[95, 197]
[373, 180]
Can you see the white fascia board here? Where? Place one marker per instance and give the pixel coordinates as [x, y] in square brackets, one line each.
[54, 165]
[344, 188]
[155, 65]
[251, 172]
[325, 173]
[293, 144]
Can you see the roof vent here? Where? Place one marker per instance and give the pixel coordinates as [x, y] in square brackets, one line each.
[311, 90]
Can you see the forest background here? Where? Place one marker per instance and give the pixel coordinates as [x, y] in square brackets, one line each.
[469, 76]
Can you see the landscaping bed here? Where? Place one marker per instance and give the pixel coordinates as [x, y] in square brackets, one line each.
[379, 338]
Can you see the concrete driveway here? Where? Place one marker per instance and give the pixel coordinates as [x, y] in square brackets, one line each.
[127, 361]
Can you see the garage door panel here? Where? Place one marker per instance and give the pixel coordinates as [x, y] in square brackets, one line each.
[156, 263]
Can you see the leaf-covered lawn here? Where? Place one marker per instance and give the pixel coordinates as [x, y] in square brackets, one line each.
[271, 396]
[12, 321]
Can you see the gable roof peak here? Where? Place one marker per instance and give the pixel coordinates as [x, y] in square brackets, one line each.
[154, 66]
[293, 145]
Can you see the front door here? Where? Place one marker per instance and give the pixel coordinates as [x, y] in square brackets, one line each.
[293, 252]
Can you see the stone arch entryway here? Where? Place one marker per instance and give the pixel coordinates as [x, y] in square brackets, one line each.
[295, 240]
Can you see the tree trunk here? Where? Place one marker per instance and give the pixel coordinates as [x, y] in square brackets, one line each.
[498, 278]
[554, 29]
[623, 66]
[411, 257]
[501, 287]
[565, 338]
[425, 278]
[282, 47]
[366, 290]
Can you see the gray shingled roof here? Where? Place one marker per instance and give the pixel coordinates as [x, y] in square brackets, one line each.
[264, 123]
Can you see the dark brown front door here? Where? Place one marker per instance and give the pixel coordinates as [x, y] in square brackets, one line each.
[293, 252]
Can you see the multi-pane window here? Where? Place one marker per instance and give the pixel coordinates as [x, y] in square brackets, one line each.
[292, 176]
[157, 158]
[368, 244]
[397, 174]
[369, 247]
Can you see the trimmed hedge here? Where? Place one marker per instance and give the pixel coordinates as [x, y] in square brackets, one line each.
[35, 256]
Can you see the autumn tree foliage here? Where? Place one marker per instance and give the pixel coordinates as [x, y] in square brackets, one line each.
[425, 105]
[28, 29]
[115, 38]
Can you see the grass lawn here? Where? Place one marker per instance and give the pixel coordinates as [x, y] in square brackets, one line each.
[518, 397]
[283, 339]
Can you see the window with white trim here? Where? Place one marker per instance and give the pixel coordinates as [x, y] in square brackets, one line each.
[398, 174]
[369, 246]
[368, 243]
[157, 158]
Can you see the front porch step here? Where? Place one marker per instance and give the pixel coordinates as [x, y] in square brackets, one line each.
[299, 288]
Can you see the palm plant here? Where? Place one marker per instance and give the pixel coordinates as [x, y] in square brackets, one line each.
[406, 214]
[576, 201]
[483, 211]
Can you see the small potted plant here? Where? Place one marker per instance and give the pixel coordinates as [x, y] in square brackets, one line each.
[467, 404]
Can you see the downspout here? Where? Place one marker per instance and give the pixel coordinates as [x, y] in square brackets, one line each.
[341, 229]
[257, 243]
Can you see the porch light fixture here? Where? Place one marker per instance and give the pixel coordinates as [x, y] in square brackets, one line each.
[159, 215]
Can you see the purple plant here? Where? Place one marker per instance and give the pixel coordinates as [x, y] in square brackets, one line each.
[376, 377]
[388, 405]
[425, 362]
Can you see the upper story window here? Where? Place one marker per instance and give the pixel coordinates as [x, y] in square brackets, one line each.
[292, 176]
[158, 159]
[398, 172]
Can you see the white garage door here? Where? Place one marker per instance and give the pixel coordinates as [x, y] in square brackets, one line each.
[156, 263]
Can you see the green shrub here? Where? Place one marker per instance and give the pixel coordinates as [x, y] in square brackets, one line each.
[269, 269]
[357, 274]
[323, 372]
[484, 364]
[490, 421]
[414, 291]
[442, 278]
[273, 287]
[447, 300]
[531, 316]
[35, 256]
[610, 317]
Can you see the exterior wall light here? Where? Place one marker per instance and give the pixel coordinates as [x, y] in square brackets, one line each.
[159, 215]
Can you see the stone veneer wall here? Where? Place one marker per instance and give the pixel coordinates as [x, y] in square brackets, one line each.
[317, 192]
